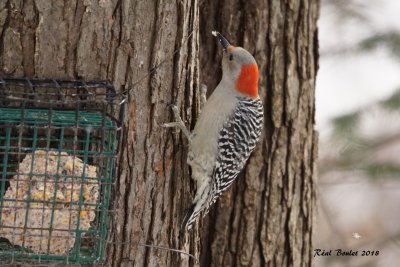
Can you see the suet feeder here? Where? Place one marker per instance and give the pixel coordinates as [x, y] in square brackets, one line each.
[58, 146]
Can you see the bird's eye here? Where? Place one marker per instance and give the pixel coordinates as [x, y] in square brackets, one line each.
[231, 57]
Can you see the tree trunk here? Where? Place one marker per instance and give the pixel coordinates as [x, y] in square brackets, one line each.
[266, 219]
[151, 48]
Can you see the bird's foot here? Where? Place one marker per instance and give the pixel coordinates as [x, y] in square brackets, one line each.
[203, 95]
[178, 123]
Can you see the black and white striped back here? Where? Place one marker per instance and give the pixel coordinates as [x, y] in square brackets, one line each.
[237, 140]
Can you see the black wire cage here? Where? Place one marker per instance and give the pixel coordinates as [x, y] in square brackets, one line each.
[58, 146]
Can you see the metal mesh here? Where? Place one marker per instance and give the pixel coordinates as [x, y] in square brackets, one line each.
[58, 143]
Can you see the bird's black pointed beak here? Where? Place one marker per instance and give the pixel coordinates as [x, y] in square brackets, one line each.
[225, 44]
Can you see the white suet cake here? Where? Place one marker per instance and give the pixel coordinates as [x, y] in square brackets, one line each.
[51, 193]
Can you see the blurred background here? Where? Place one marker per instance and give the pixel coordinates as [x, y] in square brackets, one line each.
[358, 117]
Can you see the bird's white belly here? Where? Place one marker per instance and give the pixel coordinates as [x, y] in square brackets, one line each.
[203, 148]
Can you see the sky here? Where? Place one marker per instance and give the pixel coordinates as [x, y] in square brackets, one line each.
[349, 81]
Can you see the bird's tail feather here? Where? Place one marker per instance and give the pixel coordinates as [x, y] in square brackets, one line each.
[192, 214]
[188, 215]
[200, 203]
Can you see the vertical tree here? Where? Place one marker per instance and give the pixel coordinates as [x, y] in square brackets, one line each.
[267, 218]
[133, 44]
[151, 50]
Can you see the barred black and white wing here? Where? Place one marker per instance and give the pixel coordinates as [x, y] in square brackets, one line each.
[237, 140]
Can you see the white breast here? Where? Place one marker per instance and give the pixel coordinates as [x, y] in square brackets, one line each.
[204, 144]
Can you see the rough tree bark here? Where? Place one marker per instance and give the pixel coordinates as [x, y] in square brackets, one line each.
[266, 219]
[133, 44]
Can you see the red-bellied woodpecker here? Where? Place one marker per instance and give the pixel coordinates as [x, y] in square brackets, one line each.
[226, 132]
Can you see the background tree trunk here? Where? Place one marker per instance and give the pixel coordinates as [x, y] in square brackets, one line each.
[266, 219]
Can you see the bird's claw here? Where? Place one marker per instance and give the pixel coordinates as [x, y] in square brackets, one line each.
[178, 123]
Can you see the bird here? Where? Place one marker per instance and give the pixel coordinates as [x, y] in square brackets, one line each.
[226, 132]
